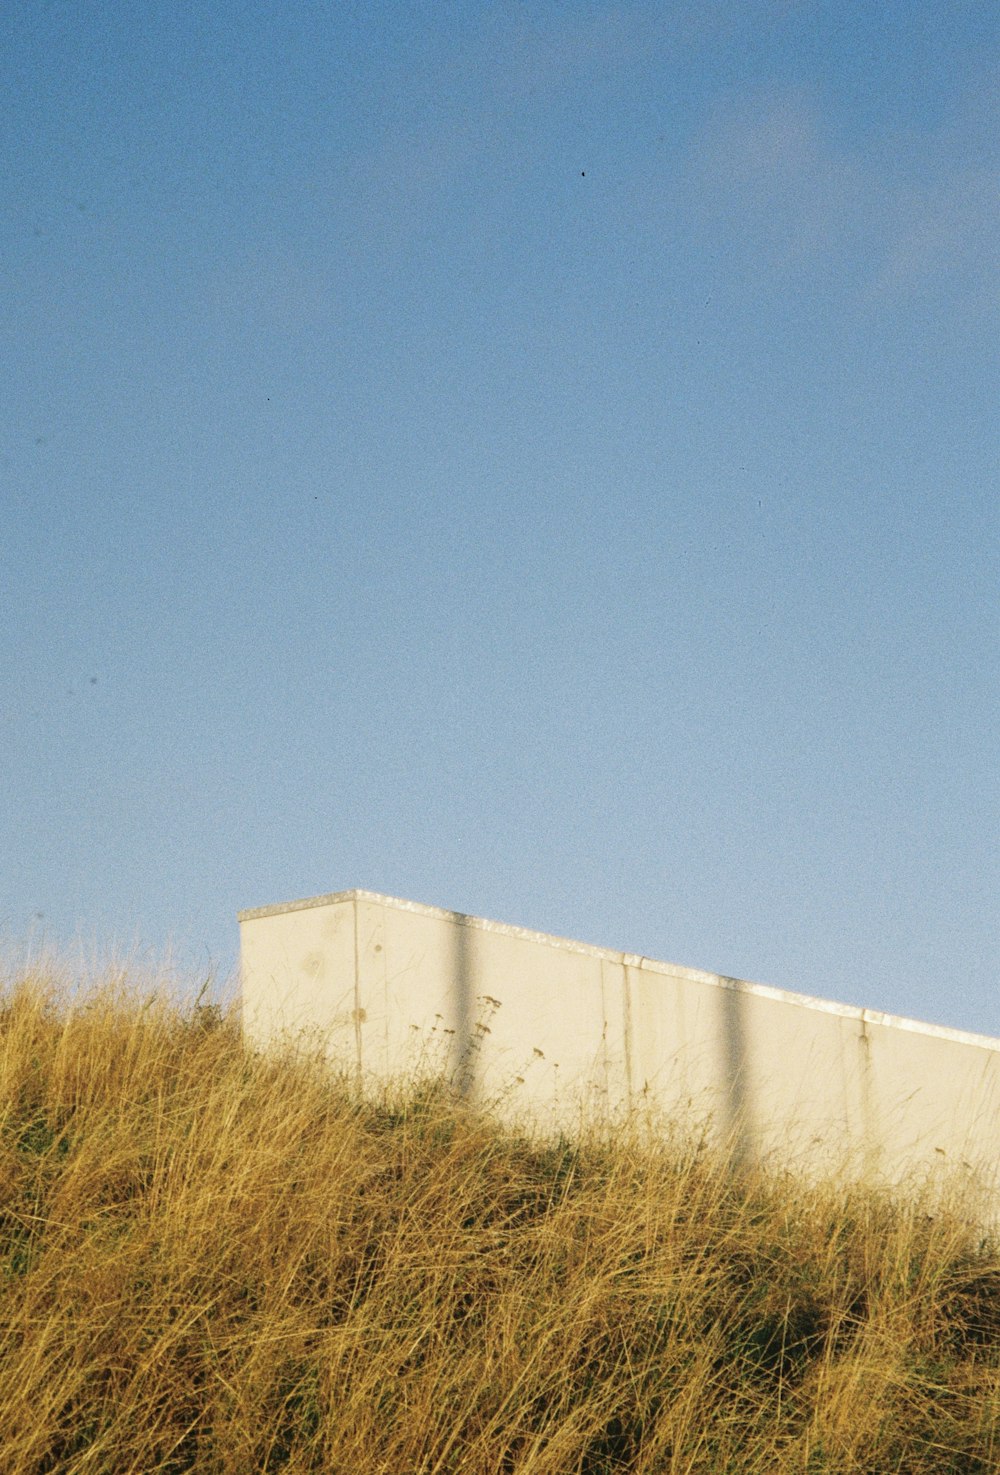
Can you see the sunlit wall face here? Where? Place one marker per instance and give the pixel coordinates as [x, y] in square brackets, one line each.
[558, 1037]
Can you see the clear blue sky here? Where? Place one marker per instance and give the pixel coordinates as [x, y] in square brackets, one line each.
[537, 459]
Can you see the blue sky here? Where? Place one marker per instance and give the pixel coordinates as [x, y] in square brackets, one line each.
[534, 459]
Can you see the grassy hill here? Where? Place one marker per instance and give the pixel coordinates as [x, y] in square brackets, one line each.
[215, 1262]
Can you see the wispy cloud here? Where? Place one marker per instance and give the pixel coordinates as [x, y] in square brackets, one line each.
[945, 229]
[766, 170]
[897, 216]
[475, 105]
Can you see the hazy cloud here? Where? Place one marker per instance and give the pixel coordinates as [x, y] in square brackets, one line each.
[946, 229]
[766, 170]
[898, 215]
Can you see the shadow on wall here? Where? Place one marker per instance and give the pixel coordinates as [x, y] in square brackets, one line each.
[464, 1050]
[736, 1065]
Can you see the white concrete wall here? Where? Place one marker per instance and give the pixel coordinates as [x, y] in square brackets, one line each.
[548, 1028]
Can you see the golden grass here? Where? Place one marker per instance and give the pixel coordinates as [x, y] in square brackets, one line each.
[216, 1262]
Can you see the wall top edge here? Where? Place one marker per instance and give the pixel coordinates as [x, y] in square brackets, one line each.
[629, 960]
[252, 914]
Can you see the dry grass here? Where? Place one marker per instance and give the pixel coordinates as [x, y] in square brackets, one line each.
[215, 1262]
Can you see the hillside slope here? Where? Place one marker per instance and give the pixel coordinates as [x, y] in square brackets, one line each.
[215, 1262]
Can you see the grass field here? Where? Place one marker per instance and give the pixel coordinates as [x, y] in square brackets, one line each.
[215, 1262]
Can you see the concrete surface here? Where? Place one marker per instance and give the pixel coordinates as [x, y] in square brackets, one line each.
[547, 1030]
